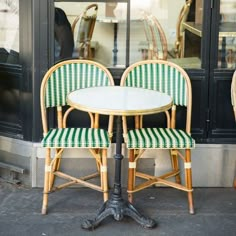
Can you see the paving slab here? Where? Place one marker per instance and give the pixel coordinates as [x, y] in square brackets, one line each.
[20, 212]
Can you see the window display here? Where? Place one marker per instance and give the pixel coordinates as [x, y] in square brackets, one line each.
[9, 33]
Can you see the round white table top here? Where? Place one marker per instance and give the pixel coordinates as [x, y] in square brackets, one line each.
[118, 100]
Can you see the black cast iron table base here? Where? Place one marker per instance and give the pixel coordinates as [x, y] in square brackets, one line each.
[116, 206]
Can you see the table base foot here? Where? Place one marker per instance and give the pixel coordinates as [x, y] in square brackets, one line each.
[118, 209]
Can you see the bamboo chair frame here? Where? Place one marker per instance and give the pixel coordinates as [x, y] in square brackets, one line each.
[134, 154]
[53, 159]
[233, 101]
[156, 38]
[179, 43]
[85, 24]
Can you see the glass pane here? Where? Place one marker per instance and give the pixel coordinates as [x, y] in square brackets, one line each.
[9, 31]
[98, 31]
[167, 29]
[227, 35]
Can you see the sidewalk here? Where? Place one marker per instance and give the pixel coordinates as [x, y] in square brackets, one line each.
[20, 212]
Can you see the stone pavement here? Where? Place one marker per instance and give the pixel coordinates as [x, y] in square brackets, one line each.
[20, 212]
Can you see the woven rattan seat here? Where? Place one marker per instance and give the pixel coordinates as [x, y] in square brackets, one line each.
[163, 138]
[77, 137]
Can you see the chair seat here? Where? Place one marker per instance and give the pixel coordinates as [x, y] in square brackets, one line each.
[159, 138]
[76, 137]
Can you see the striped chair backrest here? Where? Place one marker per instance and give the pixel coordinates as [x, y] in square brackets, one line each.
[159, 75]
[148, 32]
[70, 75]
[159, 38]
[155, 36]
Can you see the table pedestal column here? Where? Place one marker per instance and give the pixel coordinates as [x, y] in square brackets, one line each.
[115, 50]
[116, 206]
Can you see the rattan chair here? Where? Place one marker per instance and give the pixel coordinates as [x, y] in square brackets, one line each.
[59, 80]
[169, 78]
[179, 43]
[156, 39]
[82, 28]
[233, 100]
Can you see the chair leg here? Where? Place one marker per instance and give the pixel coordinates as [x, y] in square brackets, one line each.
[175, 165]
[103, 175]
[55, 167]
[98, 163]
[188, 180]
[131, 174]
[46, 182]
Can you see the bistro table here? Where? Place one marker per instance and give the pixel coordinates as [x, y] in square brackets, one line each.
[119, 101]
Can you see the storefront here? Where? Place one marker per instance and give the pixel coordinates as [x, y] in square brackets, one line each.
[28, 48]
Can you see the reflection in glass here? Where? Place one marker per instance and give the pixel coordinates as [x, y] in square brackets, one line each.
[82, 29]
[105, 30]
[64, 41]
[165, 29]
[9, 31]
[227, 35]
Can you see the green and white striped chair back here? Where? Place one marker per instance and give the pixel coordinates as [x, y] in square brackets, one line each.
[164, 77]
[159, 39]
[71, 75]
[155, 36]
[148, 32]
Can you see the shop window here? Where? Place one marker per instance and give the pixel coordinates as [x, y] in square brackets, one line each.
[165, 29]
[95, 30]
[227, 35]
[9, 36]
[10, 68]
